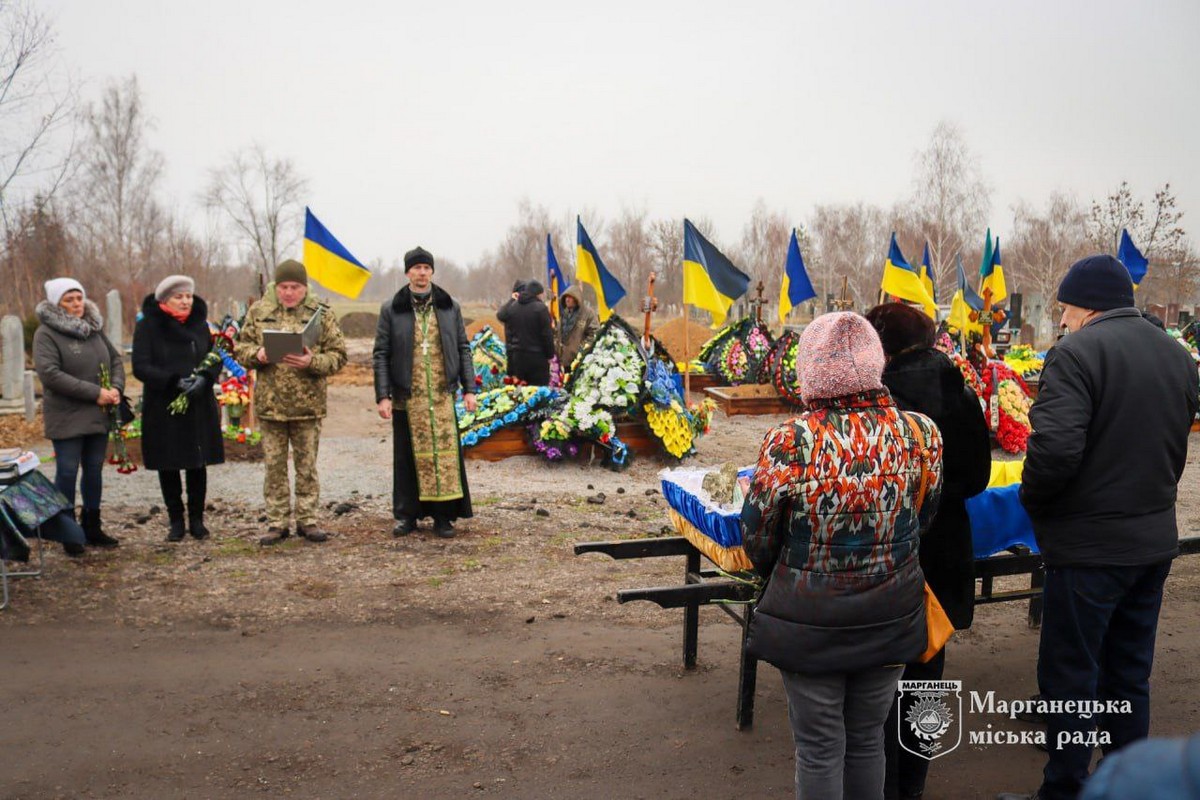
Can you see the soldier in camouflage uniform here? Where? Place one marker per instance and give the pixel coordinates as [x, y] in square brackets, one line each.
[289, 397]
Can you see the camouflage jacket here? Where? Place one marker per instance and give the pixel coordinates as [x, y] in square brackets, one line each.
[285, 393]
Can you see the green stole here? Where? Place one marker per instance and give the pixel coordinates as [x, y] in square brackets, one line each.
[432, 423]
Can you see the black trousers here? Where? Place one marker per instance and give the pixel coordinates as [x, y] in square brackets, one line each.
[172, 491]
[533, 368]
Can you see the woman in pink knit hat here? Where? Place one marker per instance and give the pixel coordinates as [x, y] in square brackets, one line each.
[832, 520]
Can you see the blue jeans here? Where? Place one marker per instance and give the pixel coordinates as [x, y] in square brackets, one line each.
[1098, 631]
[837, 724]
[69, 455]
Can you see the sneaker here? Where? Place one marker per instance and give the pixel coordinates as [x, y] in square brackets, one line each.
[443, 528]
[274, 535]
[1032, 716]
[404, 527]
[312, 533]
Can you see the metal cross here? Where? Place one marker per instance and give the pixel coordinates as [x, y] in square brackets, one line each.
[424, 347]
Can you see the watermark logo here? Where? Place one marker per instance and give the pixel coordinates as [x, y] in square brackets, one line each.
[930, 717]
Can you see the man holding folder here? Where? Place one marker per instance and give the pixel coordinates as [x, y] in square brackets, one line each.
[290, 396]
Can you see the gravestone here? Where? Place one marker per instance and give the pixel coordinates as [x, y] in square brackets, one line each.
[112, 318]
[12, 365]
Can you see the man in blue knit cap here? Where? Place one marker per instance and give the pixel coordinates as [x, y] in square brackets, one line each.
[1110, 434]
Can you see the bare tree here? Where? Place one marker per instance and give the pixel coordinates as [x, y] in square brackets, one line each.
[37, 104]
[1156, 231]
[762, 251]
[628, 253]
[37, 247]
[851, 241]
[950, 201]
[1043, 247]
[262, 198]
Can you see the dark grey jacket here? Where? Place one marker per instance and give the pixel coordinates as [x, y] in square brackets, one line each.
[67, 354]
[1110, 437]
[392, 356]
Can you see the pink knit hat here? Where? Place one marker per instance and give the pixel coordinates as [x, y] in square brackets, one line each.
[839, 354]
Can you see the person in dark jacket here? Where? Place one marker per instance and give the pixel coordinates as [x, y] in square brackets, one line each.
[1110, 437]
[529, 335]
[923, 379]
[832, 518]
[169, 344]
[69, 352]
[421, 358]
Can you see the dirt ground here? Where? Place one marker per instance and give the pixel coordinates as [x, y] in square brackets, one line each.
[493, 664]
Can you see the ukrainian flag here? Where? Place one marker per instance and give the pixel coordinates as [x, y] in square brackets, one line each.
[965, 301]
[796, 287]
[330, 264]
[901, 280]
[1132, 258]
[590, 269]
[992, 271]
[710, 280]
[554, 278]
[927, 277]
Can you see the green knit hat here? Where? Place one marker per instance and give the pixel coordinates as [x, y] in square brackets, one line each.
[291, 270]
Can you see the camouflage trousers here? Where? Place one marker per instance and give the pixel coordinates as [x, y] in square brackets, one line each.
[304, 436]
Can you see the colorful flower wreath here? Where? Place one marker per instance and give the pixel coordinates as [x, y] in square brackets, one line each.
[1008, 405]
[499, 408]
[490, 359]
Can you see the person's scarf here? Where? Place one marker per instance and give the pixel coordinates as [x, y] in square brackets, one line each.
[179, 316]
[569, 318]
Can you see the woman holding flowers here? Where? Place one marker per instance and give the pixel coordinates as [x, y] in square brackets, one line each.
[832, 518]
[173, 358]
[82, 377]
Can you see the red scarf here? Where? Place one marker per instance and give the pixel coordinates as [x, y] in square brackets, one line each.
[180, 316]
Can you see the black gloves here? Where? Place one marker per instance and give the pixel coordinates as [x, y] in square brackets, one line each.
[193, 386]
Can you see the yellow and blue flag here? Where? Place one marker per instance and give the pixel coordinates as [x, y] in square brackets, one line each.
[796, 286]
[590, 269]
[710, 280]
[927, 277]
[964, 302]
[992, 271]
[1132, 258]
[554, 278]
[901, 280]
[328, 262]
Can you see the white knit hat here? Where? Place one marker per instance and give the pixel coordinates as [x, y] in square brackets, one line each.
[57, 287]
[173, 284]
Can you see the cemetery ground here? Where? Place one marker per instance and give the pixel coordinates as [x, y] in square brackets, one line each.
[493, 664]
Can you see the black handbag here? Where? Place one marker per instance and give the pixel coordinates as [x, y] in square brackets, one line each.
[124, 411]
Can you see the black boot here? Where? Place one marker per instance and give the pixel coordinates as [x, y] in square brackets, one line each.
[91, 529]
[196, 525]
[73, 549]
[175, 519]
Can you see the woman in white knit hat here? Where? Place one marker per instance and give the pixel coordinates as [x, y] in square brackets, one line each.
[169, 344]
[69, 352]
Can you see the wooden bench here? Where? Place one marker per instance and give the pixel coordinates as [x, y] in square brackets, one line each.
[709, 586]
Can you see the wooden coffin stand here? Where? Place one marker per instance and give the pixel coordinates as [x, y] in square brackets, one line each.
[508, 442]
[750, 398]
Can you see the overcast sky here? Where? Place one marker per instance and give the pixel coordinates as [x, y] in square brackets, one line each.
[427, 122]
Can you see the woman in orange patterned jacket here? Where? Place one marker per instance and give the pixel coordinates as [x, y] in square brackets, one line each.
[832, 520]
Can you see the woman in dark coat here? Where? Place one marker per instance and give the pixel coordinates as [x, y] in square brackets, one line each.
[69, 351]
[168, 345]
[837, 501]
[925, 380]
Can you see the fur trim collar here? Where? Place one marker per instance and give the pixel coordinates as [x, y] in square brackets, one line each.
[151, 310]
[54, 317]
[402, 302]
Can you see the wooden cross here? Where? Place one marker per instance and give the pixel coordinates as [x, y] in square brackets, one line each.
[844, 302]
[758, 302]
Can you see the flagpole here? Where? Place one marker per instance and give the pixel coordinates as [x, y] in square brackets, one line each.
[687, 361]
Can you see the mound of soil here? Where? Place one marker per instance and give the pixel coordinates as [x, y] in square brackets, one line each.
[476, 325]
[359, 324]
[671, 334]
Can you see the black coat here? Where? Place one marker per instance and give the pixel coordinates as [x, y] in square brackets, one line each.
[165, 350]
[392, 357]
[928, 382]
[527, 327]
[1110, 438]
